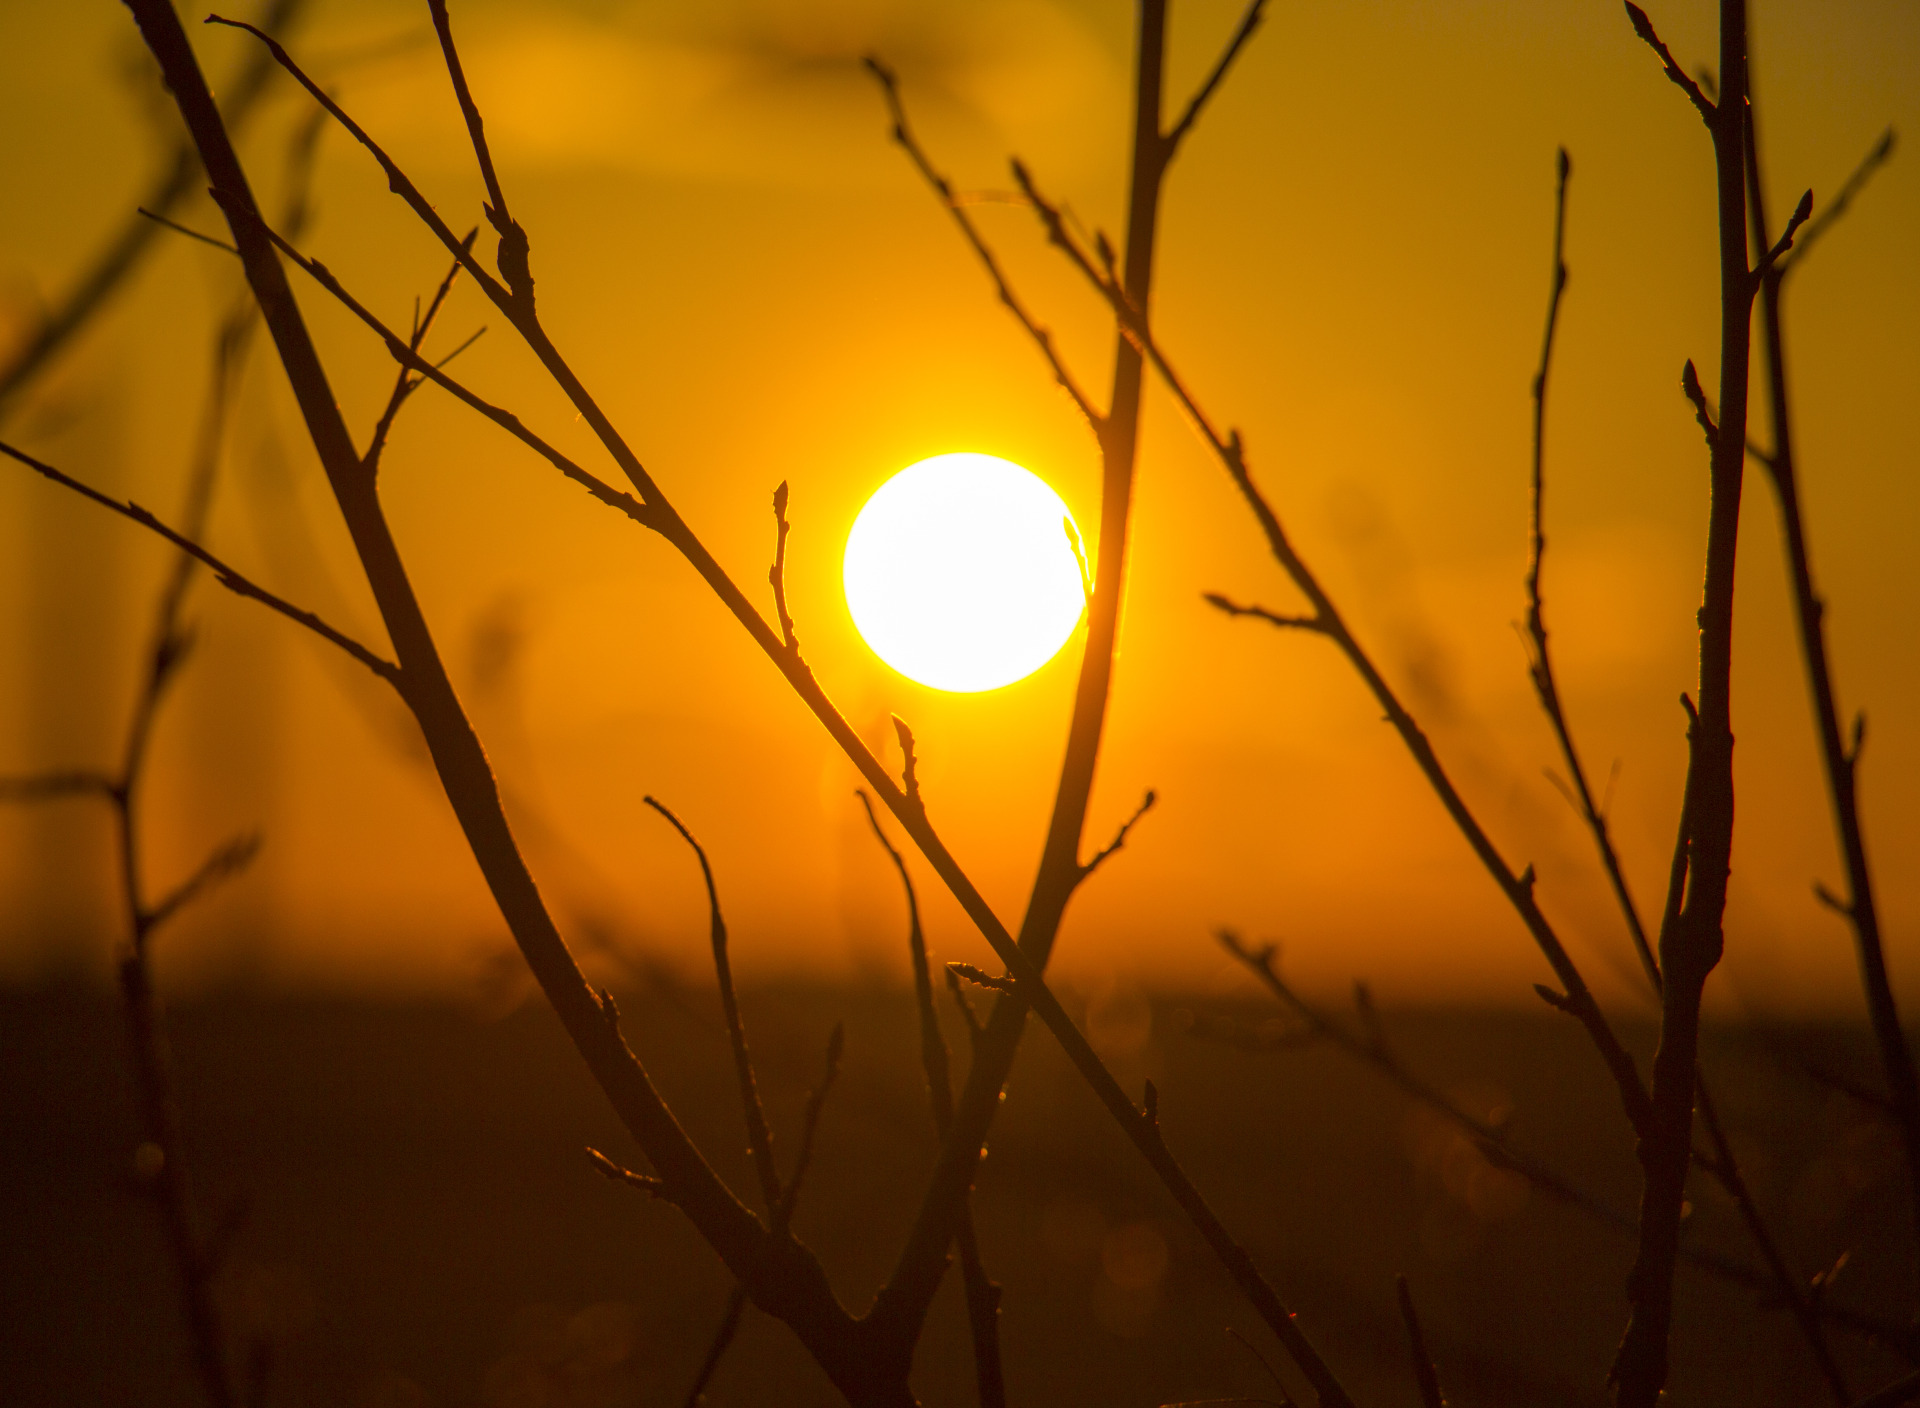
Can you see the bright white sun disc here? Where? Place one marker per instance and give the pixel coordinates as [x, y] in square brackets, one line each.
[960, 573]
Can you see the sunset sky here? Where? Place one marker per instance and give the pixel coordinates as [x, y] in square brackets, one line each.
[752, 280]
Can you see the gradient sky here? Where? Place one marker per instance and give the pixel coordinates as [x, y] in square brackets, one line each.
[747, 273]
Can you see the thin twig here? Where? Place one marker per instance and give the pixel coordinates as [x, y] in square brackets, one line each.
[1838, 206]
[1540, 666]
[982, 1295]
[1249, 22]
[1099, 857]
[759, 1138]
[1041, 338]
[229, 577]
[729, 1326]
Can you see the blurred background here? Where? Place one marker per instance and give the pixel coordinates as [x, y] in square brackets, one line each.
[757, 287]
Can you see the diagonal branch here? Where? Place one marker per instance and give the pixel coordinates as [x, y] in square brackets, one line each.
[225, 863]
[228, 577]
[1835, 208]
[1643, 27]
[759, 1138]
[1101, 856]
[903, 134]
[1249, 22]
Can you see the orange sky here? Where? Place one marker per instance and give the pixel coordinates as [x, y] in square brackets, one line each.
[1354, 267]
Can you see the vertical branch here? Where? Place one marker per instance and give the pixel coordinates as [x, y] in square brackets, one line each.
[982, 1295]
[1692, 947]
[1541, 664]
[759, 1138]
[1723, 1166]
[1838, 761]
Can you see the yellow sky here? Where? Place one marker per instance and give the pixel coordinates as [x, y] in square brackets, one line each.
[1354, 268]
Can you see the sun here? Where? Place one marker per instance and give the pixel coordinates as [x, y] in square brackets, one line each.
[961, 573]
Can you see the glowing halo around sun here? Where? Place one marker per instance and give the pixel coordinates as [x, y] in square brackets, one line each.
[960, 573]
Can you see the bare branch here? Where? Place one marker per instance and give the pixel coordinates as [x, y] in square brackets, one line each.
[1785, 242]
[903, 134]
[512, 255]
[1540, 666]
[1273, 618]
[226, 862]
[228, 577]
[50, 786]
[407, 381]
[408, 357]
[180, 229]
[1643, 27]
[759, 1138]
[1697, 396]
[979, 977]
[1249, 22]
[617, 1173]
[777, 574]
[1120, 837]
[1838, 206]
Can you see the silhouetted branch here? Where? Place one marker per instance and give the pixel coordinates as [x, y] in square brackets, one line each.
[1424, 1374]
[980, 978]
[1692, 946]
[1249, 22]
[759, 1138]
[729, 1326]
[191, 234]
[982, 1295]
[226, 862]
[1835, 208]
[408, 381]
[1540, 666]
[1221, 602]
[619, 1173]
[903, 134]
[777, 574]
[1120, 837]
[1643, 27]
[227, 576]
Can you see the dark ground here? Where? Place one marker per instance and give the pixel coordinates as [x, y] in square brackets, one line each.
[424, 1227]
